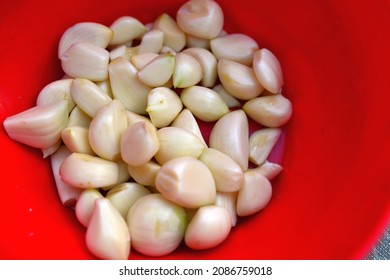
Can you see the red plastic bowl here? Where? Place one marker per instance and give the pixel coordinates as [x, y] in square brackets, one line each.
[333, 198]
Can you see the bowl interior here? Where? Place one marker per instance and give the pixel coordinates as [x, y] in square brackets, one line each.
[331, 200]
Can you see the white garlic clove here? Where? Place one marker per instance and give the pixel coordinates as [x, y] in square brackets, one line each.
[228, 200]
[78, 118]
[174, 37]
[229, 99]
[186, 120]
[105, 86]
[239, 80]
[151, 42]
[142, 59]
[86, 171]
[126, 28]
[230, 136]
[107, 235]
[204, 103]
[84, 60]
[208, 62]
[201, 18]
[254, 195]
[89, 32]
[261, 143]
[76, 139]
[209, 227]
[236, 47]
[269, 169]
[39, 126]
[187, 72]
[119, 51]
[85, 204]
[57, 90]
[145, 174]
[158, 71]
[271, 111]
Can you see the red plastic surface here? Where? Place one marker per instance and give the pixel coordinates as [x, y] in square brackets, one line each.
[333, 198]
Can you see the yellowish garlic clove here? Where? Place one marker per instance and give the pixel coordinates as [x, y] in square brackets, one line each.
[227, 174]
[187, 72]
[67, 194]
[76, 139]
[105, 86]
[208, 62]
[236, 47]
[204, 103]
[157, 225]
[201, 18]
[133, 118]
[261, 143]
[106, 130]
[228, 200]
[145, 174]
[151, 42]
[88, 96]
[57, 90]
[126, 87]
[209, 227]
[229, 99]
[139, 143]
[86, 171]
[254, 195]
[124, 195]
[174, 37]
[84, 60]
[126, 28]
[78, 118]
[119, 51]
[163, 106]
[107, 235]
[89, 32]
[158, 71]
[177, 142]
[186, 120]
[269, 169]
[196, 42]
[186, 181]
[271, 111]
[239, 80]
[230, 136]
[268, 70]
[142, 59]
[85, 204]
[39, 126]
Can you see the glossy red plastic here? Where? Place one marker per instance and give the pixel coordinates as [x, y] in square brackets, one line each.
[332, 201]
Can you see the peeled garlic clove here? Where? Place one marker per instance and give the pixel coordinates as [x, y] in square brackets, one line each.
[126, 87]
[106, 130]
[269, 169]
[85, 204]
[125, 29]
[201, 18]
[139, 143]
[174, 37]
[67, 194]
[209, 227]
[76, 139]
[196, 42]
[157, 226]
[236, 47]
[133, 118]
[52, 149]
[78, 118]
[227, 174]
[163, 106]
[230, 136]
[89, 32]
[123, 175]
[39, 126]
[142, 59]
[151, 42]
[86, 171]
[158, 71]
[229, 99]
[268, 70]
[239, 80]
[186, 120]
[120, 51]
[124, 195]
[145, 174]
[254, 195]
[204, 103]
[177, 142]
[108, 236]
[261, 143]
[271, 111]
[105, 86]
[57, 90]
[88, 96]
[208, 62]
[187, 182]
[188, 71]
[84, 60]
[228, 200]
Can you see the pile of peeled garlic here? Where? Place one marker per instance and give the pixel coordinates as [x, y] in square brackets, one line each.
[121, 130]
